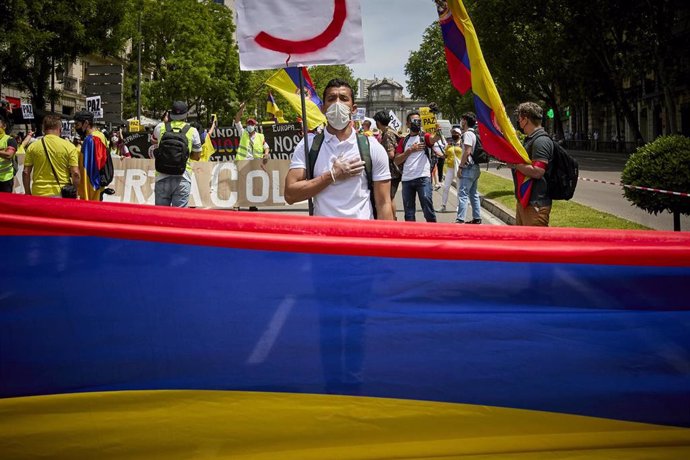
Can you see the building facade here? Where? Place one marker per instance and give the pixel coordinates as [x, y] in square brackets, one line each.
[386, 94]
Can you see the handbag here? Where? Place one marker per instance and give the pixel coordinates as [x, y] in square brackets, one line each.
[69, 190]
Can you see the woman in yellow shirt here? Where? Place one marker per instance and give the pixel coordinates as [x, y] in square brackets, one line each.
[450, 167]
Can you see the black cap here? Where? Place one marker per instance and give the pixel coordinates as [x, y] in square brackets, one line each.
[83, 115]
[178, 111]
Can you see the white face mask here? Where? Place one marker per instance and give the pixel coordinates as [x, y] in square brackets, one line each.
[113, 140]
[250, 128]
[338, 115]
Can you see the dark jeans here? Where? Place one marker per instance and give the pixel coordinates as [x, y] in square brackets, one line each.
[6, 186]
[439, 165]
[422, 188]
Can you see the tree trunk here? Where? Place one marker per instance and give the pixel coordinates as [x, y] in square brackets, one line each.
[669, 101]
[629, 115]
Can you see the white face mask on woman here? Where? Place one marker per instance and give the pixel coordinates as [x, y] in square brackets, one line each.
[250, 128]
[338, 115]
[113, 140]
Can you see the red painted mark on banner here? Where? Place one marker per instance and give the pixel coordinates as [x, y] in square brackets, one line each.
[312, 44]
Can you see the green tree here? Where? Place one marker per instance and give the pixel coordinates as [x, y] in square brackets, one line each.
[663, 164]
[428, 79]
[40, 34]
[322, 74]
[189, 53]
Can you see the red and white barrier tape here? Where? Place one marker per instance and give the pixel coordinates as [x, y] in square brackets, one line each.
[635, 187]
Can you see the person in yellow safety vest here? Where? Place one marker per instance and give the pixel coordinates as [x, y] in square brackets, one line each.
[252, 143]
[8, 148]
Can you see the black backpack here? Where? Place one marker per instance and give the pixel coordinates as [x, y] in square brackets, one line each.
[364, 153]
[562, 173]
[173, 151]
[107, 172]
[479, 155]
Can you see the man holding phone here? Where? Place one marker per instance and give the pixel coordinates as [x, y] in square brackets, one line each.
[414, 151]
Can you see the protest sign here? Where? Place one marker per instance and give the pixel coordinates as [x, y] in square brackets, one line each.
[428, 120]
[27, 111]
[93, 105]
[269, 38]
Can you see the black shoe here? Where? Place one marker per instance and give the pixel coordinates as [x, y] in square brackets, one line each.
[475, 221]
[458, 221]
[254, 208]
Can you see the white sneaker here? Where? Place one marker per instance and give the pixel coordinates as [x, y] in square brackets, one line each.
[443, 209]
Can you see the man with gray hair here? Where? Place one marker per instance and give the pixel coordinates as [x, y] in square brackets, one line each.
[539, 147]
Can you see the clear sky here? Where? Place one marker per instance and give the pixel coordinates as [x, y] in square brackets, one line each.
[392, 28]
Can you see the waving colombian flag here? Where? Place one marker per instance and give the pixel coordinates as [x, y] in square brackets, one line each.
[468, 70]
[272, 108]
[95, 153]
[348, 346]
[286, 82]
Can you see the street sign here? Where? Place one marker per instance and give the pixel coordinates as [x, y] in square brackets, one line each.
[27, 111]
[93, 105]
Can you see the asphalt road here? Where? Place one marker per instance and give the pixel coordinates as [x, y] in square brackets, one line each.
[609, 198]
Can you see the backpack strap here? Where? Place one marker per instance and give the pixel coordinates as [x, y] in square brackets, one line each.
[314, 153]
[365, 154]
[43, 141]
[185, 129]
[168, 127]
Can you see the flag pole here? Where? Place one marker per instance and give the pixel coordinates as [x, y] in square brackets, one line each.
[310, 173]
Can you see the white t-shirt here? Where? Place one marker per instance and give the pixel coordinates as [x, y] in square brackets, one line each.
[347, 197]
[417, 164]
[468, 140]
[440, 148]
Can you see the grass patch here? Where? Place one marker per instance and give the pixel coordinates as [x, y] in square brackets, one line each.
[563, 213]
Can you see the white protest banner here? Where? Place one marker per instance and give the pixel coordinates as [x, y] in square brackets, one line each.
[93, 105]
[273, 34]
[27, 111]
[395, 121]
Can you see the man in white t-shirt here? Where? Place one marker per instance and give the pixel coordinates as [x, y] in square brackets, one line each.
[469, 172]
[339, 186]
[413, 154]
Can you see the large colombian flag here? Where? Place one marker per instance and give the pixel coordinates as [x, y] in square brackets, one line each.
[468, 70]
[143, 332]
[286, 82]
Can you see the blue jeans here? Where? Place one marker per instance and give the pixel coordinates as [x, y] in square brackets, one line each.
[422, 188]
[468, 191]
[173, 191]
